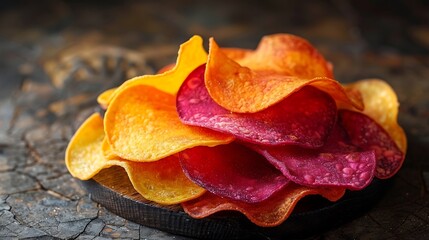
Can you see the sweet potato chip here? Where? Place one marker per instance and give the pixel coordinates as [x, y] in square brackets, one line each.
[286, 54]
[269, 213]
[382, 105]
[104, 98]
[162, 181]
[367, 134]
[232, 171]
[243, 89]
[304, 118]
[191, 55]
[142, 124]
[84, 157]
[337, 164]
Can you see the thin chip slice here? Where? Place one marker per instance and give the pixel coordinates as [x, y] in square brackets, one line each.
[381, 104]
[286, 54]
[304, 118]
[191, 55]
[142, 124]
[232, 171]
[242, 89]
[269, 213]
[367, 134]
[163, 181]
[104, 98]
[84, 157]
[337, 164]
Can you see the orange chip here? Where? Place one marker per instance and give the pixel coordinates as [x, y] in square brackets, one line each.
[268, 213]
[286, 54]
[242, 89]
[381, 104]
[163, 181]
[107, 150]
[191, 55]
[104, 98]
[142, 124]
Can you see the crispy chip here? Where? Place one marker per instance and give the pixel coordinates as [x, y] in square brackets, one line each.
[269, 213]
[84, 157]
[191, 55]
[286, 54]
[162, 181]
[367, 134]
[306, 119]
[142, 124]
[242, 89]
[104, 98]
[232, 171]
[382, 105]
[338, 163]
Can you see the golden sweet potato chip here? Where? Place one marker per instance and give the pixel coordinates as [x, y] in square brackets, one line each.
[191, 55]
[142, 124]
[268, 213]
[107, 150]
[381, 104]
[243, 89]
[104, 98]
[162, 181]
[286, 54]
[84, 157]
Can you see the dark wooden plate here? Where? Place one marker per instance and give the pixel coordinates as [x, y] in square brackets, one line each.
[112, 189]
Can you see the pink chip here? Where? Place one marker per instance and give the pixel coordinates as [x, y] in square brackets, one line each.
[232, 171]
[305, 118]
[336, 164]
[366, 134]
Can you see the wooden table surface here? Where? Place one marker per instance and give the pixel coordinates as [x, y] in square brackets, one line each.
[57, 56]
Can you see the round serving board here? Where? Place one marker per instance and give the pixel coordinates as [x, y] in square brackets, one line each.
[112, 189]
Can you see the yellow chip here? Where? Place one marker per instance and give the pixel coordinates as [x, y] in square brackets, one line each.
[142, 124]
[191, 55]
[163, 181]
[381, 104]
[104, 98]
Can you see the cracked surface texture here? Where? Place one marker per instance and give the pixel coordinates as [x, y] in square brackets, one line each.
[52, 68]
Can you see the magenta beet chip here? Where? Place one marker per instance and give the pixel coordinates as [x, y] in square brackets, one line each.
[232, 171]
[335, 164]
[305, 118]
[366, 134]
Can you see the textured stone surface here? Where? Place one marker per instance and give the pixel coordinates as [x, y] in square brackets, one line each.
[53, 66]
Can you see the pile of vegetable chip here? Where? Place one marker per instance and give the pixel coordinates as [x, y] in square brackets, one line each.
[252, 131]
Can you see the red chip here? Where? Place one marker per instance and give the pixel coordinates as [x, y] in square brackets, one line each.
[336, 164]
[232, 171]
[366, 134]
[304, 118]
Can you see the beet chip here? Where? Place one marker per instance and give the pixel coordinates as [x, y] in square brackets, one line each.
[381, 104]
[304, 118]
[368, 135]
[335, 164]
[240, 88]
[268, 213]
[232, 171]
